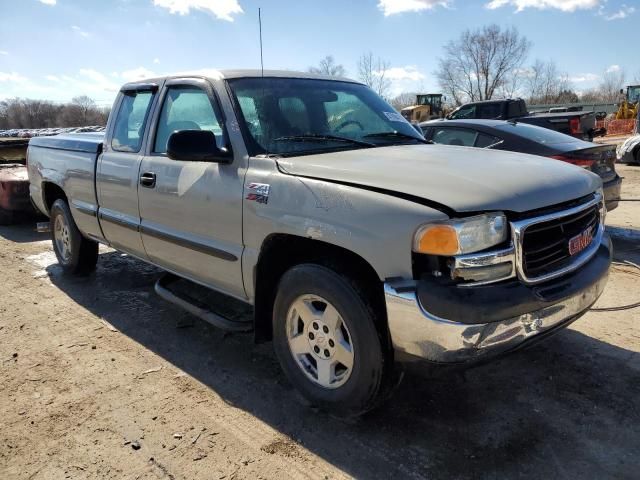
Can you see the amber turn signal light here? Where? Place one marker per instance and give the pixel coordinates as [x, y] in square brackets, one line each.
[437, 240]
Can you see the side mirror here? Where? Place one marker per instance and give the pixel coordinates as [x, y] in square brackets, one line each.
[196, 146]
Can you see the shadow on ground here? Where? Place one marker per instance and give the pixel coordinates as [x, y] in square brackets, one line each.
[565, 408]
[24, 230]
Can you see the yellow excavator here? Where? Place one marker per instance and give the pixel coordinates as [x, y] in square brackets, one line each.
[629, 103]
[428, 107]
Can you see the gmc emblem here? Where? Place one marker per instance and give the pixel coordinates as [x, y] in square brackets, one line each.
[581, 241]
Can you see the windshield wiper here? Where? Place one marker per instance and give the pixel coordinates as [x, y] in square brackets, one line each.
[394, 134]
[322, 138]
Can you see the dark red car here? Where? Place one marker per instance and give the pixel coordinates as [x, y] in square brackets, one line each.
[14, 192]
[14, 182]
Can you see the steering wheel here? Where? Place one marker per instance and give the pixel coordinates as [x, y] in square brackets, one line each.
[347, 123]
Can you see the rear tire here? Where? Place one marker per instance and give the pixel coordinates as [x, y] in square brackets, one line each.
[76, 254]
[326, 340]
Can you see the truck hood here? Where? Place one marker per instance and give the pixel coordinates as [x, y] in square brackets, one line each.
[460, 178]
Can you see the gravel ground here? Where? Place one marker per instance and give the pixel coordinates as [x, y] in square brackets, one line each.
[101, 379]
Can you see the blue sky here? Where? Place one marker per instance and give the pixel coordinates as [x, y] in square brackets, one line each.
[56, 49]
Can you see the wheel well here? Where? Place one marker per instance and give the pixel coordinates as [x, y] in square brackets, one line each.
[280, 252]
[52, 192]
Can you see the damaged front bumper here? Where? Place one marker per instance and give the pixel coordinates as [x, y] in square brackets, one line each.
[491, 320]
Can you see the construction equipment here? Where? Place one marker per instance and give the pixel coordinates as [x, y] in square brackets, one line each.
[628, 108]
[427, 107]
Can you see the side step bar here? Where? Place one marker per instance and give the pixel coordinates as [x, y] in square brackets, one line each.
[162, 289]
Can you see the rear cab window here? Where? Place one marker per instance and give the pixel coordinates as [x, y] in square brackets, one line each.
[130, 121]
[489, 111]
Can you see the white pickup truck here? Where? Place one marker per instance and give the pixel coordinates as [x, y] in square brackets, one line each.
[358, 244]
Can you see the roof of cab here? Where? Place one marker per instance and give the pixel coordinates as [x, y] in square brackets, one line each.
[248, 73]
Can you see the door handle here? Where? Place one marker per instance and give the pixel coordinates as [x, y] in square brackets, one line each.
[148, 179]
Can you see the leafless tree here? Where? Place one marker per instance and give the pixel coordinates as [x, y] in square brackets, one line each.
[328, 66]
[28, 113]
[403, 100]
[544, 83]
[511, 85]
[372, 71]
[611, 84]
[476, 65]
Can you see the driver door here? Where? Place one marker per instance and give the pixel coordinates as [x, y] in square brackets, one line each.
[191, 212]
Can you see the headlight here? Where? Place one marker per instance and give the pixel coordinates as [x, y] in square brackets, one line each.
[460, 236]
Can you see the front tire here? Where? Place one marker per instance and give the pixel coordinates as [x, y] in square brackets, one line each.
[76, 254]
[326, 340]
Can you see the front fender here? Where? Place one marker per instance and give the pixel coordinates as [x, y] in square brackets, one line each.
[377, 227]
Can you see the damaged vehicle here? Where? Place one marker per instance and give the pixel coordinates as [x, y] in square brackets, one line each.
[356, 244]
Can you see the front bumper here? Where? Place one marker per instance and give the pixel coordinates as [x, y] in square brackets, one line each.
[417, 333]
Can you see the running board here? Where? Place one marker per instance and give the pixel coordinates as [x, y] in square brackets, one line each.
[197, 308]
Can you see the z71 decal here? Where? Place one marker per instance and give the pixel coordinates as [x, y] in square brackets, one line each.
[258, 192]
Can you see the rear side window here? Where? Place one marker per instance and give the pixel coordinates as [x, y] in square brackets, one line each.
[455, 136]
[489, 110]
[514, 110]
[485, 141]
[130, 122]
[186, 108]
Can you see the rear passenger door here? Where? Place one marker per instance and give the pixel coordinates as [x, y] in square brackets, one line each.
[117, 170]
[191, 212]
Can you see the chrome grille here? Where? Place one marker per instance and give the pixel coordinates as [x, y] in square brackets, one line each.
[546, 245]
[542, 243]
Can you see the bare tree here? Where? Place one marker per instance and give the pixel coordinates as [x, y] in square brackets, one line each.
[544, 83]
[476, 65]
[328, 66]
[611, 84]
[372, 71]
[405, 99]
[511, 85]
[28, 113]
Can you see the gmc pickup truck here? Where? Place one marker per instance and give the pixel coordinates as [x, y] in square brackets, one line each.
[581, 125]
[356, 243]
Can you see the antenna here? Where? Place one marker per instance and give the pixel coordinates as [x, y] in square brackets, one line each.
[260, 26]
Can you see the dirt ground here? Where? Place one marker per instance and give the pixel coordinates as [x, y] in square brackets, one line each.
[101, 379]
[627, 215]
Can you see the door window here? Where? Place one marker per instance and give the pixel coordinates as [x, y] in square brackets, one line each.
[130, 122]
[186, 108]
[455, 136]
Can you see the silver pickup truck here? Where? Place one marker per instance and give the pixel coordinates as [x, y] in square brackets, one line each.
[357, 244]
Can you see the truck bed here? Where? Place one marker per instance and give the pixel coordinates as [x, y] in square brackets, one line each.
[69, 161]
[78, 142]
